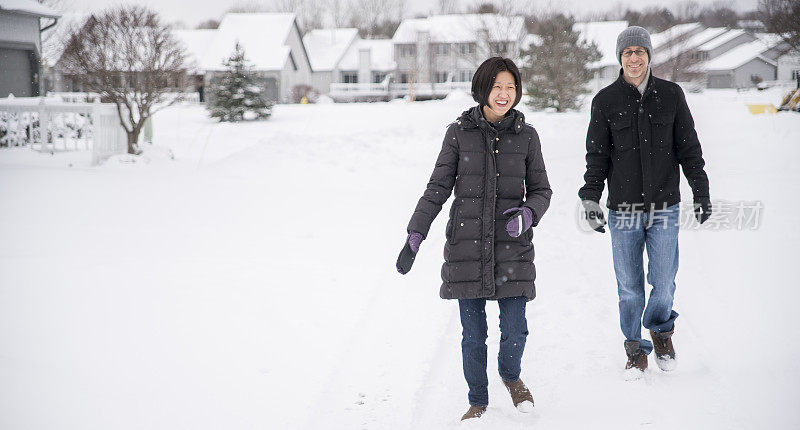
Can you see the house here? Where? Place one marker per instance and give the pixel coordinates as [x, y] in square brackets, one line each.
[437, 54]
[273, 46]
[677, 60]
[367, 69]
[789, 67]
[662, 41]
[724, 43]
[195, 43]
[746, 65]
[326, 48]
[53, 44]
[21, 24]
[604, 35]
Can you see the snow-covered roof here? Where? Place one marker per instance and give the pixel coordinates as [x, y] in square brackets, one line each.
[28, 7]
[690, 43]
[196, 43]
[55, 38]
[604, 35]
[660, 39]
[381, 55]
[461, 28]
[722, 39]
[263, 37]
[326, 47]
[743, 54]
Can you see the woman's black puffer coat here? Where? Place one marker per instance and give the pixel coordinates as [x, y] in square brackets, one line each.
[494, 167]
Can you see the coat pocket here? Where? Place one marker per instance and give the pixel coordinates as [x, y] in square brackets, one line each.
[662, 123]
[622, 137]
[451, 227]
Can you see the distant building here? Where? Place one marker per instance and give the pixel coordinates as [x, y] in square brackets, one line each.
[21, 24]
[752, 25]
[440, 53]
[366, 72]
[746, 65]
[677, 61]
[196, 43]
[721, 44]
[326, 49]
[53, 44]
[272, 45]
[789, 67]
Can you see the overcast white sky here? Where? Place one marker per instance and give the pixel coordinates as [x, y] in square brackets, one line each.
[195, 11]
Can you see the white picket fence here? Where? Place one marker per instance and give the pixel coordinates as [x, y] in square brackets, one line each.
[52, 125]
[394, 90]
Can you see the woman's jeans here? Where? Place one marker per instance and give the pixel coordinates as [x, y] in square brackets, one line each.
[631, 233]
[513, 332]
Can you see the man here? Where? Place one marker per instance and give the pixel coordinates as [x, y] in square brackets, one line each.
[639, 132]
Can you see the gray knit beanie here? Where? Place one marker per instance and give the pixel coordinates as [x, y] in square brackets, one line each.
[634, 36]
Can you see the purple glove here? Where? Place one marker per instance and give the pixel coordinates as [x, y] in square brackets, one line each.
[521, 220]
[414, 239]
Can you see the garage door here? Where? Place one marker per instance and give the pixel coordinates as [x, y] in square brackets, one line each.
[15, 72]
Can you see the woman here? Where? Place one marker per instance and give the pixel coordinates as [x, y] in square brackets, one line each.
[494, 160]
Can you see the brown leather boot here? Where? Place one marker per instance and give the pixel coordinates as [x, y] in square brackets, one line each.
[474, 412]
[637, 360]
[665, 352]
[520, 395]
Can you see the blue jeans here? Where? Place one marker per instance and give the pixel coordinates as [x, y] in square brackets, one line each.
[631, 233]
[513, 332]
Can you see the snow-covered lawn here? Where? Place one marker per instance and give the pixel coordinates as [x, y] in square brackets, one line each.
[250, 283]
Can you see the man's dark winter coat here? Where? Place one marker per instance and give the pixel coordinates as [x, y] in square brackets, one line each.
[637, 141]
[493, 168]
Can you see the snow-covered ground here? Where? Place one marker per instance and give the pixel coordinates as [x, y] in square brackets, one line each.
[250, 283]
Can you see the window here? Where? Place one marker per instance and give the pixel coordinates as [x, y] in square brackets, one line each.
[404, 78]
[464, 76]
[378, 77]
[407, 50]
[440, 77]
[466, 48]
[500, 47]
[350, 77]
[795, 75]
[441, 49]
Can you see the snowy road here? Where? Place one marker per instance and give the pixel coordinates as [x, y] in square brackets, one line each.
[250, 283]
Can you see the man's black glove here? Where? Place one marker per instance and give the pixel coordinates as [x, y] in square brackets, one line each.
[702, 208]
[593, 214]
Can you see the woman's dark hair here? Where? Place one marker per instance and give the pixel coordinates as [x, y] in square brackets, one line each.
[483, 80]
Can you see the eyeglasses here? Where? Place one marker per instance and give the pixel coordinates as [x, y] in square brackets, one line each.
[638, 52]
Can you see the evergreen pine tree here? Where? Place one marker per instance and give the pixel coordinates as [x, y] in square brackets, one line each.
[555, 68]
[236, 94]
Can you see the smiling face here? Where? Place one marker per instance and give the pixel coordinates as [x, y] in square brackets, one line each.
[502, 96]
[635, 66]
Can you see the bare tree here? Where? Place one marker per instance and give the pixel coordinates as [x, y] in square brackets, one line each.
[130, 58]
[686, 10]
[719, 14]
[53, 4]
[372, 17]
[782, 17]
[209, 24]
[447, 7]
[309, 14]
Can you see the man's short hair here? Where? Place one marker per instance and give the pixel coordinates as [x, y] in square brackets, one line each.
[483, 80]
